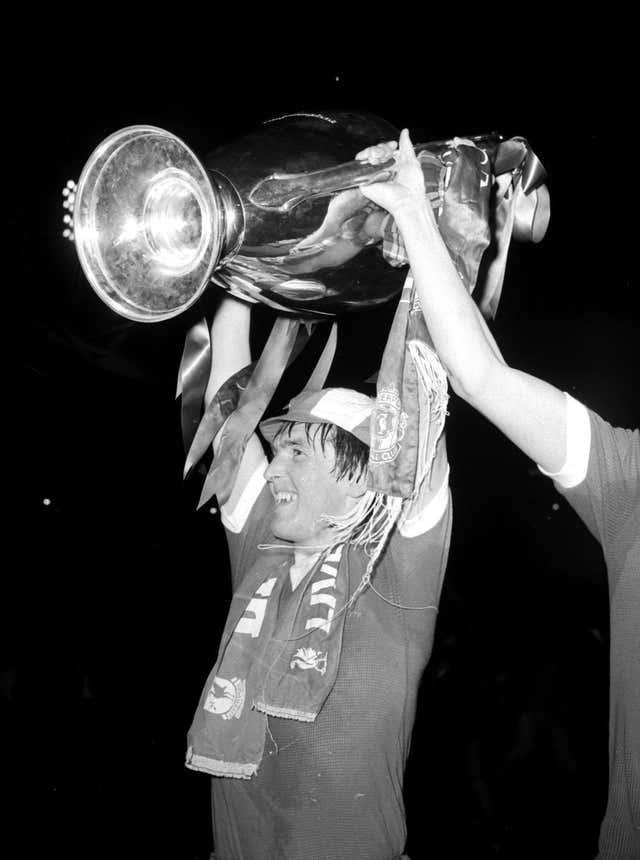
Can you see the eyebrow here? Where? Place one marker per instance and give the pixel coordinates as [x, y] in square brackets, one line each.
[297, 439]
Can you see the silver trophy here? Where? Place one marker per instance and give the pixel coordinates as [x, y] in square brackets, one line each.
[275, 216]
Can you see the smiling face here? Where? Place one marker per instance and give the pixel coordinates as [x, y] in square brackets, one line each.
[304, 487]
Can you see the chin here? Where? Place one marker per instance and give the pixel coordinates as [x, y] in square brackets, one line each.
[280, 535]
[292, 535]
[281, 532]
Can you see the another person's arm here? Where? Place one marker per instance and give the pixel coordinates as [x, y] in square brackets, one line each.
[530, 412]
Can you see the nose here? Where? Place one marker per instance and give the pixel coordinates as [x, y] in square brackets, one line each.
[274, 469]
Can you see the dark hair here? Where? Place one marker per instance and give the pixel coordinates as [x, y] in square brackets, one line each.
[352, 455]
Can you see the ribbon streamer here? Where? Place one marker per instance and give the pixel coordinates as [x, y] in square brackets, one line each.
[221, 406]
[533, 173]
[193, 375]
[252, 403]
[321, 371]
[226, 399]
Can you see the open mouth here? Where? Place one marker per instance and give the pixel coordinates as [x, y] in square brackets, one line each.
[282, 498]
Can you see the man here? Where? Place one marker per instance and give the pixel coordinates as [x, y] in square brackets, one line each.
[596, 466]
[306, 719]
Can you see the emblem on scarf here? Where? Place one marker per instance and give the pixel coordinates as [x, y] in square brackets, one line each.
[389, 426]
[309, 658]
[227, 700]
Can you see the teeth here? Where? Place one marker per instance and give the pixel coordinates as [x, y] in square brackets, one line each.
[284, 497]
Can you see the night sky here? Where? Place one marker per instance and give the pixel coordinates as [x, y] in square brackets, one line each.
[115, 587]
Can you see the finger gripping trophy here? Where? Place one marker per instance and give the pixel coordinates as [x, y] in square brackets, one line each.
[277, 217]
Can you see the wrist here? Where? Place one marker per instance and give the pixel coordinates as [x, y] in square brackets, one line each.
[413, 211]
[417, 225]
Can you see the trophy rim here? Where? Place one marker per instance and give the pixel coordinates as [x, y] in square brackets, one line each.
[90, 260]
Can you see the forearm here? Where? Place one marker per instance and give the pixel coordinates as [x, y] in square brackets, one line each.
[230, 350]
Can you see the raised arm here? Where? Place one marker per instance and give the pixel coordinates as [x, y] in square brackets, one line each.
[230, 352]
[530, 412]
[230, 349]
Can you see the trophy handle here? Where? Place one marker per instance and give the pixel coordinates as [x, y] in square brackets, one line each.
[280, 192]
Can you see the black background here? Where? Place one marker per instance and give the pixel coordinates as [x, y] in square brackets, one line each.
[115, 588]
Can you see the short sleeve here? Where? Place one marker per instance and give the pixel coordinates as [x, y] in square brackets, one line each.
[425, 517]
[607, 498]
[421, 560]
[254, 530]
[425, 511]
[234, 519]
[578, 445]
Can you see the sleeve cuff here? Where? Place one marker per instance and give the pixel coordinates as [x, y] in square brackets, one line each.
[430, 515]
[578, 440]
[235, 520]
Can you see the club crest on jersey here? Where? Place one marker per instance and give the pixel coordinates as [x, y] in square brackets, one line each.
[226, 698]
[309, 658]
[389, 425]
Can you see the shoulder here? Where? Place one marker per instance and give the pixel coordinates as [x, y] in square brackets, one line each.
[613, 469]
[421, 538]
[601, 475]
[617, 447]
[417, 555]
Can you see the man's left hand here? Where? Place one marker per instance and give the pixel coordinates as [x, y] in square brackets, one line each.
[406, 187]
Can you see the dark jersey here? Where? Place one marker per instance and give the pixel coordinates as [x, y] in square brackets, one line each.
[332, 789]
[606, 496]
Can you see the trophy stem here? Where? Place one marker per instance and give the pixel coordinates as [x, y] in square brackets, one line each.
[233, 215]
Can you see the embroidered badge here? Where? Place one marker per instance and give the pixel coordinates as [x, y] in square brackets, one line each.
[389, 425]
[226, 698]
[309, 658]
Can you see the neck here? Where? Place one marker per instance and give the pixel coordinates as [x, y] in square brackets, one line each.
[304, 555]
[303, 562]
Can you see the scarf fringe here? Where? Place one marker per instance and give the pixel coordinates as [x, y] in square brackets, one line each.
[432, 378]
[382, 514]
[216, 767]
[368, 523]
[285, 713]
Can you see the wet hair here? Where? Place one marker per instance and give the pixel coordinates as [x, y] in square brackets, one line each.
[352, 455]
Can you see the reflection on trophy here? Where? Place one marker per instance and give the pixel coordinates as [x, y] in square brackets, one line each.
[277, 217]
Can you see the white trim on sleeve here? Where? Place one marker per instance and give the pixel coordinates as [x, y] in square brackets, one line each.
[430, 515]
[578, 439]
[236, 519]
